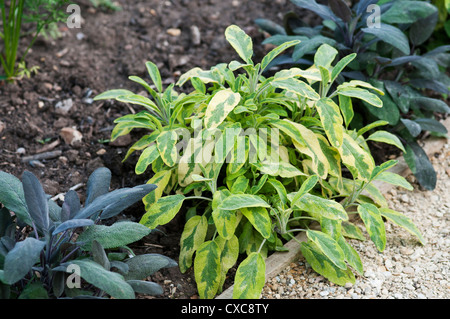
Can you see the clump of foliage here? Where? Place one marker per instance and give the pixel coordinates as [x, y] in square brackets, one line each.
[41, 244]
[389, 38]
[107, 4]
[38, 13]
[258, 159]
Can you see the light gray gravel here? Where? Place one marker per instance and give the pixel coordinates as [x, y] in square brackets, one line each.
[405, 269]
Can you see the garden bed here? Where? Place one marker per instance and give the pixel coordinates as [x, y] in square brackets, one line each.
[53, 112]
[109, 47]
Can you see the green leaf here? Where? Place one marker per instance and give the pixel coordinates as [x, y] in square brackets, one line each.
[316, 205]
[117, 235]
[331, 121]
[404, 12]
[148, 156]
[310, 46]
[154, 75]
[394, 179]
[391, 35]
[207, 269]
[12, 197]
[112, 94]
[241, 42]
[352, 231]
[220, 106]
[306, 187]
[97, 185]
[37, 201]
[306, 142]
[322, 10]
[110, 282]
[296, 86]
[389, 112]
[72, 223]
[34, 290]
[420, 165]
[225, 222]
[399, 94]
[260, 219]
[193, 236]
[19, 261]
[324, 266]
[114, 202]
[371, 126]
[280, 189]
[99, 255]
[351, 255]
[340, 66]
[139, 100]
[357, 160]
[383, 167]
[229, 255]
[386, 137]
[166, 143]
[146, 287]
[431, 125]
[403, 221]
[240, 185]
[280, 168]
[250, 277]
[142, 266]
[361, 94]
[272, 54]
[328, 246]
[238, 201]
[324, 56]
[371, 217]
[163, 211]
[423, 28]
[160, 179]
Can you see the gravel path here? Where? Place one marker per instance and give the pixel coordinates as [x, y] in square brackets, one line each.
[405, 269]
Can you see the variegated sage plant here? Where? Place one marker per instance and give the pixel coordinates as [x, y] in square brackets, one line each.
[257, 159]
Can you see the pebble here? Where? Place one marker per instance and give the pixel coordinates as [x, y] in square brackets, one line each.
[63, 107]
[70, 135]
[195, 35]
[174, 32]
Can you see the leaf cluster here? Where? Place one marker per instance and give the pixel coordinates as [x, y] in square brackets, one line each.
[257, 159]
[39, 14]
[41, 242]
[390, 39]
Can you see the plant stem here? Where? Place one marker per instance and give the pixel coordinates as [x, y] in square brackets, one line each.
[294, 238]
[261, 246]
[295, 230]
[199, 197]
[302, 217]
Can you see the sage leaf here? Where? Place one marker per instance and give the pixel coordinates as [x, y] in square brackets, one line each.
[324, 266]
[163, 211]
[117, 235]
[207, 269]
[371, 217]
[241, 42]
[19, 261]
[403, 221]
[193, 236]
[250, 277]
[329, 247]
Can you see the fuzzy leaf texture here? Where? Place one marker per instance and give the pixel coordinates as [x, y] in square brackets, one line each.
[117, 235]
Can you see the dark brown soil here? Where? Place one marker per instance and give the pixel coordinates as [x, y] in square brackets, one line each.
[109, 47]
